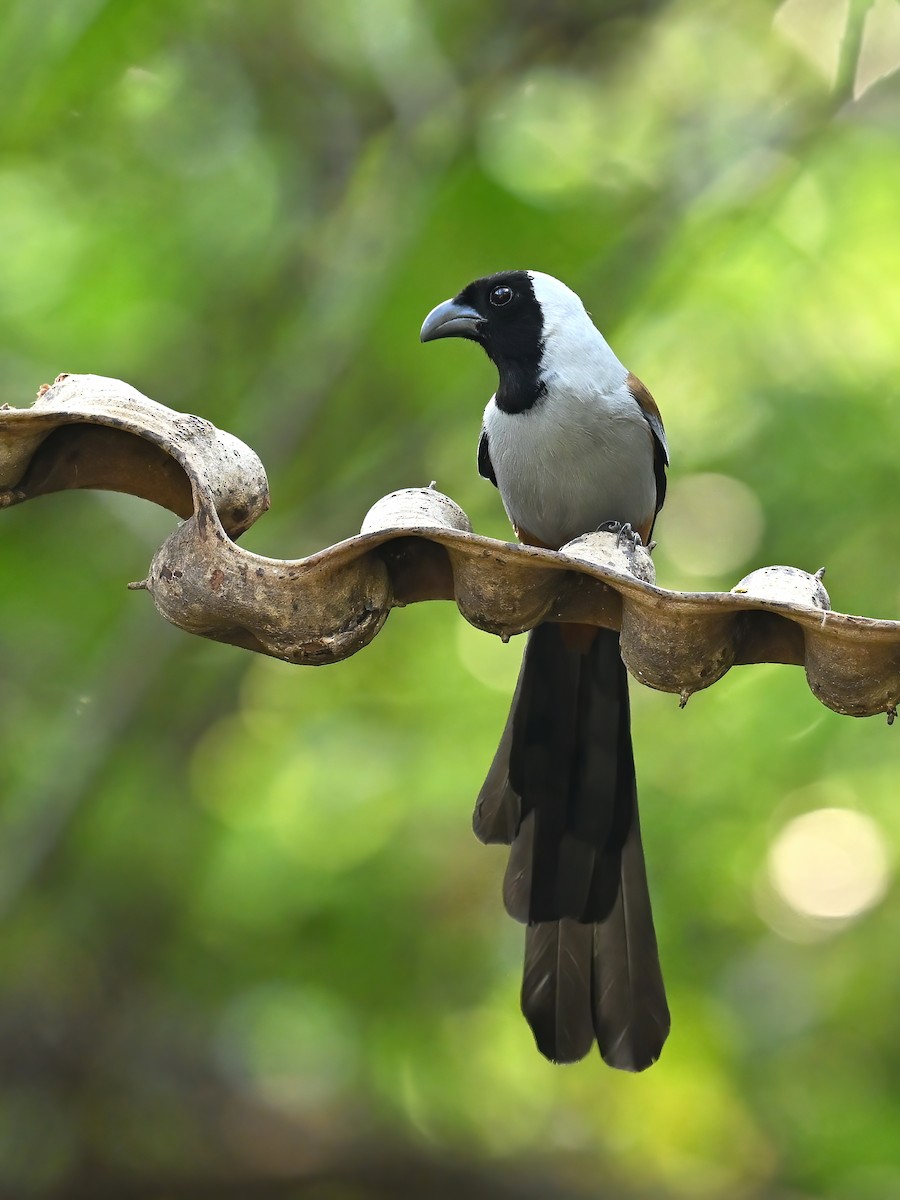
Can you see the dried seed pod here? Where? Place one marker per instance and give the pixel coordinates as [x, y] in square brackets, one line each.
[416, 544]
[415, 508]
[785, 585]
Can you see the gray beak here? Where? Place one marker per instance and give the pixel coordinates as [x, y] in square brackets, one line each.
[450, 319]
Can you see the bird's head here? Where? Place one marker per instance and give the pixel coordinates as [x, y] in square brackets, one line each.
[529, 324]
[501, 312]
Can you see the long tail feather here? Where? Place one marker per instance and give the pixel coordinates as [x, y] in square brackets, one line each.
[556, 989]
[562, 792]
[498, 809]
[631, 1016]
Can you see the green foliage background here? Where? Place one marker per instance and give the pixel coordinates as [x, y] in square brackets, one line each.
[244, 922]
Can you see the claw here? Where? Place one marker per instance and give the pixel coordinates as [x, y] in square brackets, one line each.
[623, 531]
[628, 537]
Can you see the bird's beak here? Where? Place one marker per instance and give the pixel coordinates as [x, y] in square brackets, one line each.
[450, 319]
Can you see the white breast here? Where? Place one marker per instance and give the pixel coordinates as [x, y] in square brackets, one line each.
[583, 453]
[580, 456]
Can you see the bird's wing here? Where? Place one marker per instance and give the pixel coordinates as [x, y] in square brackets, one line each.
[647, 405]
[485, 466]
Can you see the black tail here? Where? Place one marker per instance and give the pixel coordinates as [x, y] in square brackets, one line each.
[561, 791]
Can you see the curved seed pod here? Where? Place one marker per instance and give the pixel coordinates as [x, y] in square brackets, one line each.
[416, 544]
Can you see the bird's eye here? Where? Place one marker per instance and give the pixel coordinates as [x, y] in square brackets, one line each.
[501, 296]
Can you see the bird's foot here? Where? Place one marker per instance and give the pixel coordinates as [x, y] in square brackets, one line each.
[625, 535]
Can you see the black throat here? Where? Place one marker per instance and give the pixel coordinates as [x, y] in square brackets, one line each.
[512, 334]
[520, 386]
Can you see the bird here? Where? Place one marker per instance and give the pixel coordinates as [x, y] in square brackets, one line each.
[574, 442]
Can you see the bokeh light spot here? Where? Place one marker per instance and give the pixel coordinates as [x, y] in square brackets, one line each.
[542, 138]
[191, 111]
[325, 811]
[488, 659]
[294, 1046]
[879, 54]
[829, 864]
[712, 524]
[803, 218]
[40, 242]
[815, 27]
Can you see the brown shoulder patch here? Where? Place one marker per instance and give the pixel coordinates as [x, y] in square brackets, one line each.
[648, 407]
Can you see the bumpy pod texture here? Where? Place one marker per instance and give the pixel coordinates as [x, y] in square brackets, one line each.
[89, 432]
